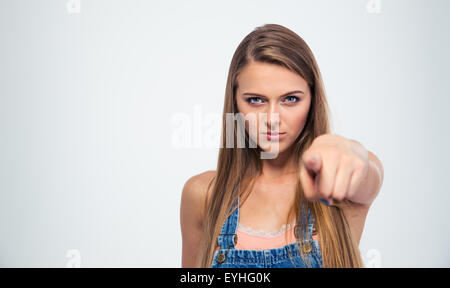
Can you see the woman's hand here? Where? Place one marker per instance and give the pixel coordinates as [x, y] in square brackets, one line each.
[333, 169]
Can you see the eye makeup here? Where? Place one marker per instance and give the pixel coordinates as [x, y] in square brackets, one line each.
[252, 100]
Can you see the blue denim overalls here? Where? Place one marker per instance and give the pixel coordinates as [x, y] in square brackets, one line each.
[229, 257]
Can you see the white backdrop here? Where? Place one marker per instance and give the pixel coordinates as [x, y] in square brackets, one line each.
[92, 92]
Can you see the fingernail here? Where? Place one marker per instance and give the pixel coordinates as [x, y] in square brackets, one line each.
[314, 156]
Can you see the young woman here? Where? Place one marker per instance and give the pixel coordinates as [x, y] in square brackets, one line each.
[256, 211]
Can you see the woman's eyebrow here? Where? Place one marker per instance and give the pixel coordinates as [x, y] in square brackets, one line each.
[285, 94]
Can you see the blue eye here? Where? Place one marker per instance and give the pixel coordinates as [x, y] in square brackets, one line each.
[295, 99]
[249, 100]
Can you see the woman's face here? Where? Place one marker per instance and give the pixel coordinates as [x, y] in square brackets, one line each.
[270, 89]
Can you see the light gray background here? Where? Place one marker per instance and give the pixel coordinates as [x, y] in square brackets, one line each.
[88, 102]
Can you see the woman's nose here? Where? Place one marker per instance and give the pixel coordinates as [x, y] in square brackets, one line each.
[272, 117]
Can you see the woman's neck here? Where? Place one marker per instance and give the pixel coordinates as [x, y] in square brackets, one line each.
[283, 165]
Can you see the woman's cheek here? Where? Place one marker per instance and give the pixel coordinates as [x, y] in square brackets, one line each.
[252, 131]
[302, 121]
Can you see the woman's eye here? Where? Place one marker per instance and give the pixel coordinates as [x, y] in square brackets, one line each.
[292, 99]
[249, 100]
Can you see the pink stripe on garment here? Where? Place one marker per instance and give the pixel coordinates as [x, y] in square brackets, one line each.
[251, 241]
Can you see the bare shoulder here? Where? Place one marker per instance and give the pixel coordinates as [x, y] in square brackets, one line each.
[192, 212]
[193, 197]
[201, 179]
[195, 189]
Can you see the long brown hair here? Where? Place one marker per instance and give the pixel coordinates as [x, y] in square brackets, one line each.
[238, 168]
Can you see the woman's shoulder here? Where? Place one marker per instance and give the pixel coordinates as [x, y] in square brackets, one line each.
[204, 176]
[200, 182]
[196, 190]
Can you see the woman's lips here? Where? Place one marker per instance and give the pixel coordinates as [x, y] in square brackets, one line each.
[274, 135]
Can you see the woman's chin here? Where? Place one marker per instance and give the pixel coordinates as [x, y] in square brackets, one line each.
[271, 148]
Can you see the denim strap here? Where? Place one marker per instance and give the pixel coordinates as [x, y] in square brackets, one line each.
[227, 236]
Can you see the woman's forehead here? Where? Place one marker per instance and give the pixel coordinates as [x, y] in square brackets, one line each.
[271, 79]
